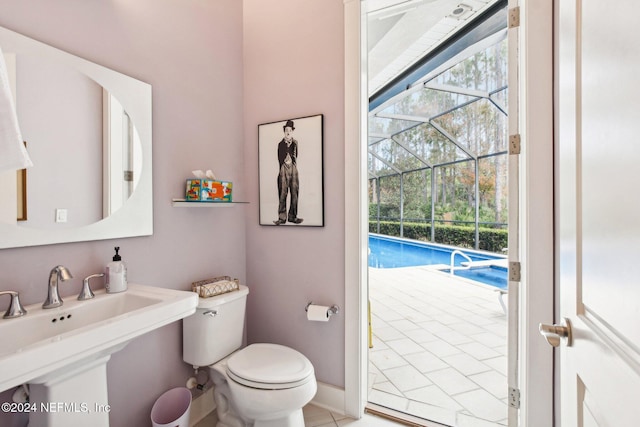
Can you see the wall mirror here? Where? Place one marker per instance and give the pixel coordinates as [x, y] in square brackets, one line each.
[88, 132]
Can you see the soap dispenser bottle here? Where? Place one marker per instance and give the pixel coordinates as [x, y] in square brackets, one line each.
[116, 274]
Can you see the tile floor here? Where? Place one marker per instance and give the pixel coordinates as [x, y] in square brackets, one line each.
[439, 347]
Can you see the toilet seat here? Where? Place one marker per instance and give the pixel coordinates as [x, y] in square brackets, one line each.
[269, 367]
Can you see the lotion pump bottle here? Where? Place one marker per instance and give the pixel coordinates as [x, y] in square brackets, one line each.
[116, 274]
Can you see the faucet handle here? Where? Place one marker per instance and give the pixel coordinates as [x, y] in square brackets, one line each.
[86, 289]
[15, 308]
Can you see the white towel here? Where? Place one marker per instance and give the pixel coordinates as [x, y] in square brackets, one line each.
[13, 155]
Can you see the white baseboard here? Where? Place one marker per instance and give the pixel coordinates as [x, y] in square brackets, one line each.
[201, 406]
[330, 397]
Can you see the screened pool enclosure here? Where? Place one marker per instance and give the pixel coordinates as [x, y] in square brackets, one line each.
[437, 152]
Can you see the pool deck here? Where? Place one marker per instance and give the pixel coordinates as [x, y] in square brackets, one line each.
[439, 347]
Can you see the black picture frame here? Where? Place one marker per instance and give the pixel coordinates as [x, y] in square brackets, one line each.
[305, 161]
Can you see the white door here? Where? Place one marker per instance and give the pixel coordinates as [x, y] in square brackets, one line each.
[598, 208]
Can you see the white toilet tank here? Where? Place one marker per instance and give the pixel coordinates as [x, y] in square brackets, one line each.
[215, 330]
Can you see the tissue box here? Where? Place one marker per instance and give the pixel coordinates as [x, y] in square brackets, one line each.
[208, 190]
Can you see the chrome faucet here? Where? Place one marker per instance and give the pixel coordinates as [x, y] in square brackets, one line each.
[53, 296]
[15, 308]
[86, 292]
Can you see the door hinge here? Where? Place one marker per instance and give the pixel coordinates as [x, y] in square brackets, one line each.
[514, 144]
[514, 17]
[514, 271]
[514, 397]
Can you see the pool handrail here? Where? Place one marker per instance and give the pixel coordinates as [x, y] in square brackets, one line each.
[462, 267]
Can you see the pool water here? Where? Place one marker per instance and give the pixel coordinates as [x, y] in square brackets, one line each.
[493, 275]
[391, 252]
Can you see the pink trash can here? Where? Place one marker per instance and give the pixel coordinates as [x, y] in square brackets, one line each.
[172, 408]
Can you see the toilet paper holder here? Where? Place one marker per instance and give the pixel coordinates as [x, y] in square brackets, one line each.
[334, 309]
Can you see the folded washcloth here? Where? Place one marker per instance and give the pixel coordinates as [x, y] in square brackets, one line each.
[13, 155]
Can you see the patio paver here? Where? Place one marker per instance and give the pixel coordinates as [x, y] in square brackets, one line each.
[439, 347]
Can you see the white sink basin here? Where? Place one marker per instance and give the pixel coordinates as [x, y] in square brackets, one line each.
[46, 344]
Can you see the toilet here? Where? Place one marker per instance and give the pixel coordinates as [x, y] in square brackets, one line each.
[261, 385]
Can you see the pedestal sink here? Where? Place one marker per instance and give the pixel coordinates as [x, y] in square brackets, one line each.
[62, 352]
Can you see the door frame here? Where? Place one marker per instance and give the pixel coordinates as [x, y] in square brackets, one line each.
[536, 209]
[356, 229]
[534, 377]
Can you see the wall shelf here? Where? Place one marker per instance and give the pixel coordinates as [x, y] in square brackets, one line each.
[182, 203]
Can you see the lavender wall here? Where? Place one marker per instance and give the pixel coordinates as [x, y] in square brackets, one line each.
[294, 67]
[190, 51]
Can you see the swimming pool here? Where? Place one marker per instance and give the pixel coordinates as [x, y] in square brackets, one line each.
[393, 252]
[493, 275]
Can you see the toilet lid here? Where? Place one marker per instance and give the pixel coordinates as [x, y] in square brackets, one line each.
[269, 366]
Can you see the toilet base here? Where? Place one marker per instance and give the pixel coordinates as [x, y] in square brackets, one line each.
[295, 419]
[230, 416]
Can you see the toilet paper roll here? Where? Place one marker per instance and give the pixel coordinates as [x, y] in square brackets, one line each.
[318, 313]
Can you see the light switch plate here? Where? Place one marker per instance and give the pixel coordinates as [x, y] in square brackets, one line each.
[61, 215]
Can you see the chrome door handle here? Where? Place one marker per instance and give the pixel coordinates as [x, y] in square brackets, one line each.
[555, 334]
[211, 313]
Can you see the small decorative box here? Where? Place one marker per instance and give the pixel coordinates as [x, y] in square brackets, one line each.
[208, 190]
[215, 286]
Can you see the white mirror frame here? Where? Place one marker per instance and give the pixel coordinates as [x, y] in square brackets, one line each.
[135, 218]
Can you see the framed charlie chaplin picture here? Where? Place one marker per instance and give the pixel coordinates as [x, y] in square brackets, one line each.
[291, 172]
